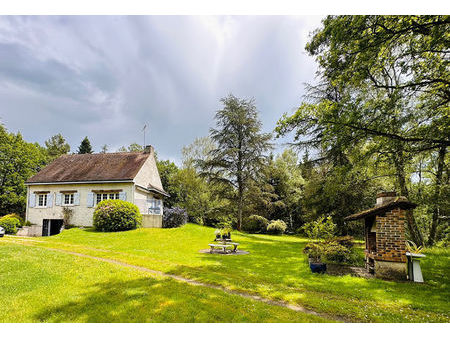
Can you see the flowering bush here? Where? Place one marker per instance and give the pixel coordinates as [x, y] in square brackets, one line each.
[10, 223]
[174, 217]
[276, 227]
[116, 215]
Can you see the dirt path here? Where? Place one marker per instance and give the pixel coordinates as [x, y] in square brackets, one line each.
[297, 308]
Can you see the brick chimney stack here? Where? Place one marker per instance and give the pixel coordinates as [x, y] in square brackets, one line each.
[384, 197]
[148, 150]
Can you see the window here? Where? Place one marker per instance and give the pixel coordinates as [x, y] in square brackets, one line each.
[42, 200]
[68, 199]
[106, 196]
[154, 206]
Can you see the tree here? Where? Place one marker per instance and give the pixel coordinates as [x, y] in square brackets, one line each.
[133, 147]
[240, 148]
[85, 147]
[56, 146]
[19, 160]
[197, 152]
[383, 87]
[104, 149]
[167, 172]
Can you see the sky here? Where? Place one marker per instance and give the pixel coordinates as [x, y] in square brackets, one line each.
[105, 77]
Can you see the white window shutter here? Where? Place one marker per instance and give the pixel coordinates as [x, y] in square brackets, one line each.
[32, 200]
[123, 195]
[49, 200]
[76, 198]
[58, 198]
[90, 199]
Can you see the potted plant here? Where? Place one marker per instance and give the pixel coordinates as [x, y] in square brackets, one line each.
[414, 255]
[315, 252]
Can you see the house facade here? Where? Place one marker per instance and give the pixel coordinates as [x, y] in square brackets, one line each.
[79, 182]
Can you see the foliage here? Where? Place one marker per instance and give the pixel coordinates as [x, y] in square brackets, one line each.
[116, 215]
[133, 147]
[314, 251]
[255, 223]
[413, 248]
[67, 214]
[10, 223]
[377, 96]
[56, 146]
[322, 228]
[345, 241]
[167, 172]
[85, 147]
[174, 217]
[19, 160]
[197, 152]
[276, 227]
[240, 149]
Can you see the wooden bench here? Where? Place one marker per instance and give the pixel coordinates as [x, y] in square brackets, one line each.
[223, 246]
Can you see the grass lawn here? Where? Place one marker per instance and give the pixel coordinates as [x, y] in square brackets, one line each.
[275, 269]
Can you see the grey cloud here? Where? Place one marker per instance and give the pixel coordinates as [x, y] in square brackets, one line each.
[105, 77]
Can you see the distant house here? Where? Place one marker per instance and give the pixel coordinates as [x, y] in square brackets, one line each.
[81, 181]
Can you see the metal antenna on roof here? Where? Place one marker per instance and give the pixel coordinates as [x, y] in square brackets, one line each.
[144, 129]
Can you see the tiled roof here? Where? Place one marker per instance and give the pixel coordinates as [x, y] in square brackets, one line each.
[91, 167]
[399, 202]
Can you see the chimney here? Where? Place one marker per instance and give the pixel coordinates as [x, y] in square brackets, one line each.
[385, 197]
[148, 149]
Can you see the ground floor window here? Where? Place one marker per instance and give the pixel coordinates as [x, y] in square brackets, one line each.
[106, 196]
[42, 200]
[68, 199]
[154, 206]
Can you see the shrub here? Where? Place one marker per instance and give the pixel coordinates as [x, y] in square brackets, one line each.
[276, 227]
[116, 215]
[346, 241]
[314, 251]
[255, 223]
[174, 217]
[321, 228]
[16, 216]
[336, 253]
[10, 224]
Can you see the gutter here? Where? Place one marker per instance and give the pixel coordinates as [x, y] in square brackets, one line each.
[79, 182]
[152, 190]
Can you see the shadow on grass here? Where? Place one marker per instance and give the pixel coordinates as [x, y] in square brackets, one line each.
[280, 270]
[162, 300]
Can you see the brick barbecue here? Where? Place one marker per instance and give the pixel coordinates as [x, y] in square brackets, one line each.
[384, 231]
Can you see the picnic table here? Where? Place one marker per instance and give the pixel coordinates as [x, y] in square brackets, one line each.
[224, 246]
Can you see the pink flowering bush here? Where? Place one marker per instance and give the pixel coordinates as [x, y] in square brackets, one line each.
[116, 215]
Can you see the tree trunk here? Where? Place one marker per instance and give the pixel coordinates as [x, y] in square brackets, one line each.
[437, 195]
[414, 232]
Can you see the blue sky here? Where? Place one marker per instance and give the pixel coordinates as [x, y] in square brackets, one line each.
[105, 77]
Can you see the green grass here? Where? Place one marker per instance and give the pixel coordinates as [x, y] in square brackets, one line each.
[39, 285]
[275, 268]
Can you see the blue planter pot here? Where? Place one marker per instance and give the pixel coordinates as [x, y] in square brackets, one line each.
[318, 267]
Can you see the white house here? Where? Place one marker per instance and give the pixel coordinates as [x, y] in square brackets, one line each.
[81, 181]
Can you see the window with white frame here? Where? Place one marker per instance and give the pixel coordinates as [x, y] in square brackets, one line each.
[106, 196]
[41, 200]
[154, 206]
[68, 199]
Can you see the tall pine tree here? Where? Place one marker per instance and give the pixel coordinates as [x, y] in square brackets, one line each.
[85, 147]
[241, 148]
